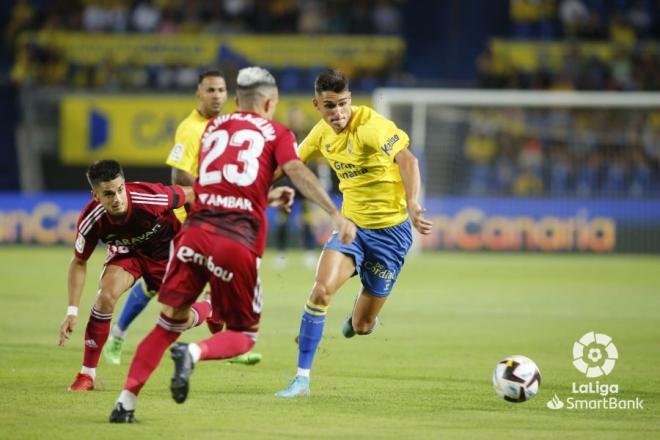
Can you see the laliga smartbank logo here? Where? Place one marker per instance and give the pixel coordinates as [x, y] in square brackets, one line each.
[594, 355]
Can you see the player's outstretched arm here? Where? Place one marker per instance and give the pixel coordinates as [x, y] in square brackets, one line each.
[409, 169]
[310, 186]
[76, 282]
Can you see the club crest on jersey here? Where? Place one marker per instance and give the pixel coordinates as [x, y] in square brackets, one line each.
[327, 147]
[387, 148]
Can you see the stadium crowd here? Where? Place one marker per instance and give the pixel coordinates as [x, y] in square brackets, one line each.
[46, 64]
[209, 16]
[566, 152]
[619, 20]
[630, 28]
[628, 69]
[563, 152]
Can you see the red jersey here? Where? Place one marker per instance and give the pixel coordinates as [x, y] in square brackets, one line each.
[239, 153]
[147, 228]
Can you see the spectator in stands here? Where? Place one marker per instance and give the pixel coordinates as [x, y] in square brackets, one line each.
[386, 18]
[616, 173]
[505, 168]
[105, 17]
[488, 76]
[169, 20]
[639, 18]
[594, 74]
[480, 149]
[588, 175]
[312, 17]
[20, 17]
[651, 137]
[525, 16]
[532, 18]
[646, 65]
[621, 68]
[561, 171]
[574, 16]
[621, 32]
[531, 155]
[528, 183]
[145, 17]
[641, 176]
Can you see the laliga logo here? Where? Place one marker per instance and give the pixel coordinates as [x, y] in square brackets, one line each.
[595, 354]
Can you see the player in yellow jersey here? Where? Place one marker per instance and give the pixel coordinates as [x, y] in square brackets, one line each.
[380, 181]
[211, 96]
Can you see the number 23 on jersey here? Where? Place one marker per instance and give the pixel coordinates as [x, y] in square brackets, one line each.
[215, 146]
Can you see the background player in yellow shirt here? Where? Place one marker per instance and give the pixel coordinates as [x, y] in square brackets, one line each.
[211, 97]
[379, 179]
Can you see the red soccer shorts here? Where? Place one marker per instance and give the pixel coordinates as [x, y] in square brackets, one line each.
[230, 268]
[140, 266]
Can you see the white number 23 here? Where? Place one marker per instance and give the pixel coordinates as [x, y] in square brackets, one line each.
[217, 142]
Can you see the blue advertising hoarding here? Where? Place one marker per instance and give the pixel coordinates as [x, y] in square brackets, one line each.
[538, 224]
[495, 224]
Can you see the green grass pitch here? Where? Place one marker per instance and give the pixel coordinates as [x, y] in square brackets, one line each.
[424, 373]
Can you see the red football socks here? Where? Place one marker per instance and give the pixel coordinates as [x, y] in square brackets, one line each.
[150, 351]
[225, 345]
[203, 311]
[96, 334]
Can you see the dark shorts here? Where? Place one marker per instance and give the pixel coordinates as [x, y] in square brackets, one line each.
[231, 269]
[378, 253]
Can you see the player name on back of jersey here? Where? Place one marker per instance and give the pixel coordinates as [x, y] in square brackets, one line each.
[229, 202]
[263, 125]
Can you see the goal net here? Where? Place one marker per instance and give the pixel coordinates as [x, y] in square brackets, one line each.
[542, 171]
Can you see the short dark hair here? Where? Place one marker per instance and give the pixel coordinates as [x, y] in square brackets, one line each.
[331, 80]
[103, 171]
[206, 73]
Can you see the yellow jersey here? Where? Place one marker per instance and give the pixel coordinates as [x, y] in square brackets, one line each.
[185, 152]
[362, 156]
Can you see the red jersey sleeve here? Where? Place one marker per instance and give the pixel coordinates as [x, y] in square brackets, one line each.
[178, 196]
[285, 146]
[153, 193]
[88, 230]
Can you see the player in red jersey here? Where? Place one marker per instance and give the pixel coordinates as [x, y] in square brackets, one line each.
[137, 222]
[224, 237]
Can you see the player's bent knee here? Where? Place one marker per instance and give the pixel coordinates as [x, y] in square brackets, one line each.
[321, 294]
[105, 302]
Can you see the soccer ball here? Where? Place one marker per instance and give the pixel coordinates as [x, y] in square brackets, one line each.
[516, 378]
